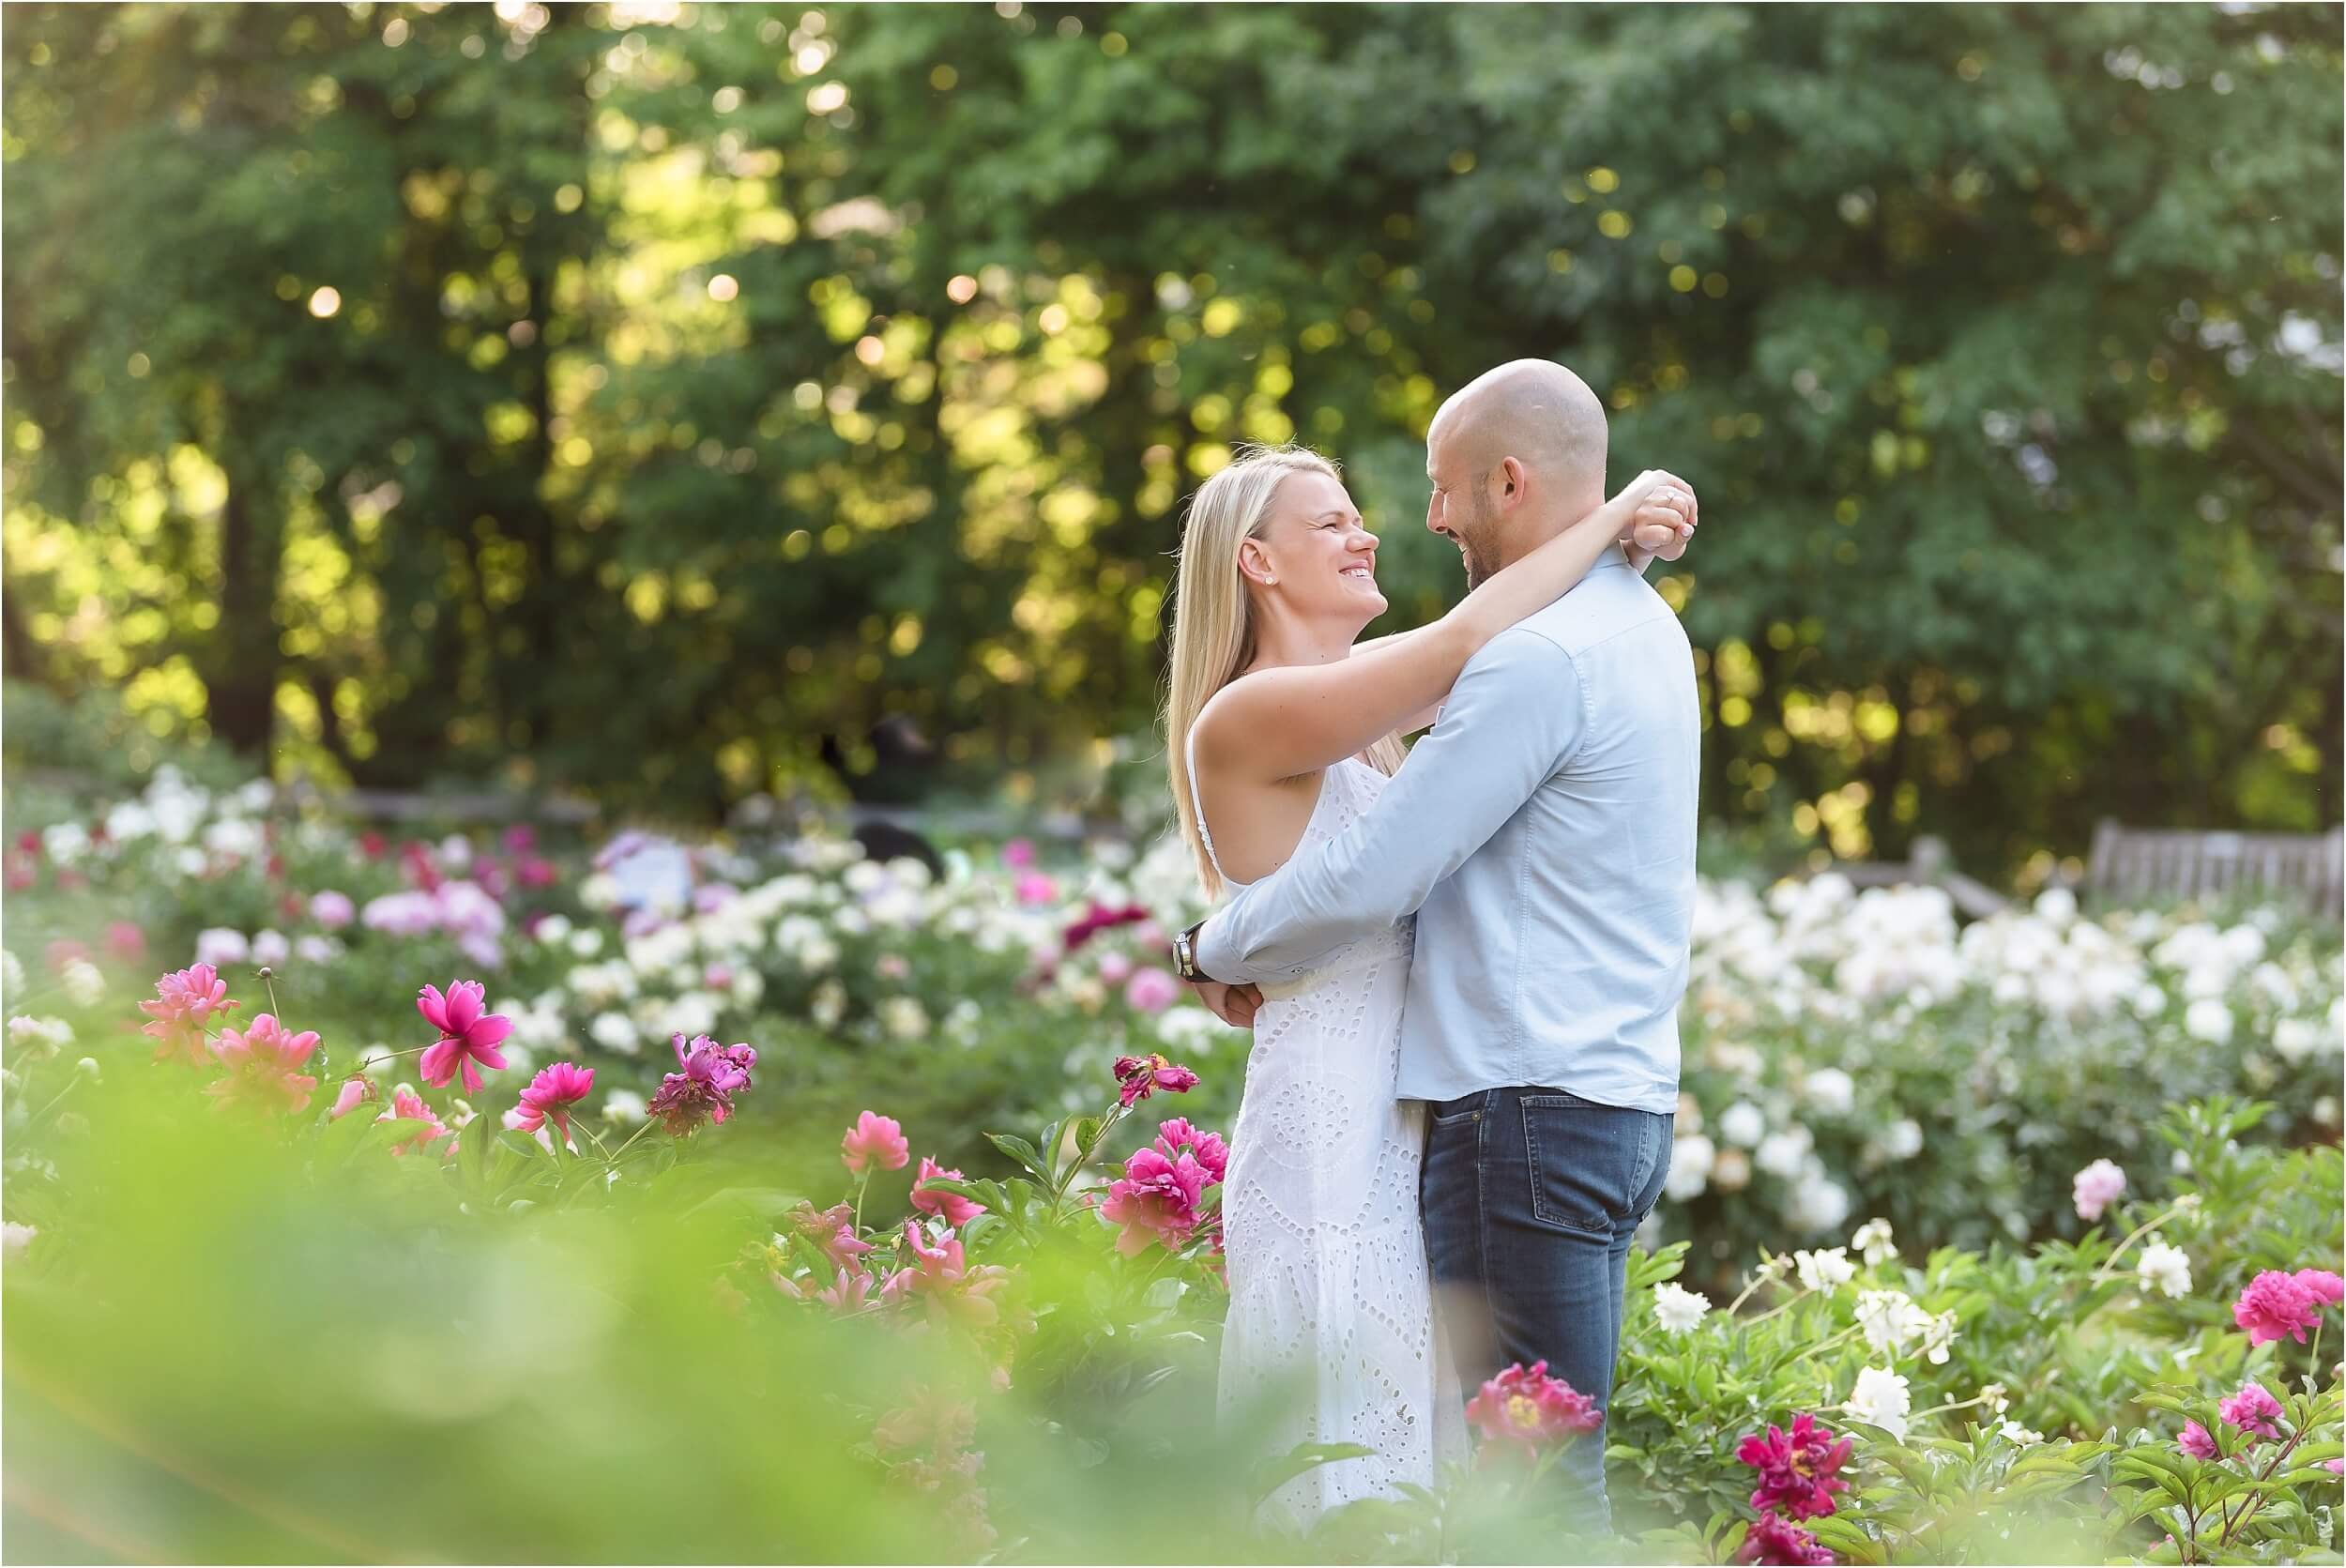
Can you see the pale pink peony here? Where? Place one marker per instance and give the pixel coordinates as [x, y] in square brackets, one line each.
[874, 1138]
[2277, 1304]
[703, 1091]
[2255, 1411]
[407, 1105]
[469, 1036]
[187, 999]
[332, 909]
[549, 1098]
[355, 1092]
[833, 1230]
[953, 1209]
[1136, 1077]
[1151, 990]
[2097, 1187]
[1176, 1135]
[1018, 854]
[124, 943]
[261, 1064]
[1155, 1200]
[2196, 1442]
[1115, 969]
[1528, 1407]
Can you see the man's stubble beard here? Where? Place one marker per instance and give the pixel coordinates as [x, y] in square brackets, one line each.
[1480, 550]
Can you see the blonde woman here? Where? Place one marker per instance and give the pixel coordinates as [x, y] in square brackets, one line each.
[1282, 730]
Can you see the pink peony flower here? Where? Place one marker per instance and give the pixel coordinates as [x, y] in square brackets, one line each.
[1115, 969]
[1032, 887]
[2327, 1289]
[407, 1105]
[469, 1036]
[1774, 1540]
[2196, 1442]
[355, 1092]
[850, 1294]
[124, 943]
[1531, 1409]
[833, 1230]
[942, 1276]
[2335, 1467]
[703, 1091]
[549, 1098]
[187, 1000]
[332, 910]
[874, 1137]
[2253, 1410]
[1136, 1077]
[2275, 1303]
[2097, 1187]
[1798, 1469]
[1176, 1136]
[262, 1062]
[1018, 854]
[953, 1209]
[65, 950]
[1155, 1200]
[1151, 990]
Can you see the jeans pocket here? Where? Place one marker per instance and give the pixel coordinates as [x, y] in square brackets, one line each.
[1590, 1165]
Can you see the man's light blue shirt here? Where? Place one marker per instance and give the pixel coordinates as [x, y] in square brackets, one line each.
[1543, 833]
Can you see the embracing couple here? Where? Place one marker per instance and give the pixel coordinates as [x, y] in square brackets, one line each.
[1462, 970]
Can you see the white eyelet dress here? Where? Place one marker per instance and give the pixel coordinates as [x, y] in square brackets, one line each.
[1331, 1336]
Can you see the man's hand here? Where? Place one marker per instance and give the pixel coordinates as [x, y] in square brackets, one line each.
[1663, 518]
[1232, 1004]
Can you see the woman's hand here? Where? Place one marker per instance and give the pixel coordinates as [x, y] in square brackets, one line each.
[1659, 515]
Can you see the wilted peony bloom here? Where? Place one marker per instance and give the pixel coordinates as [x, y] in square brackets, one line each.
[549, 1098]
[1773, 1539]
[262, 1062]
[2253, 1410]
[407, 1105]
[187, 1000]
[1176, 1136]
[703, 1091]
[1151, 990]
[2196, 1442]
[468, 1035]
[953, 1209]
[873, 1138]
[2096, 1188]
[2164, 1269]
[2277, 1304]
[1528, 1407]
[1138, 1077]
[1678, 1309]
[1799, 1470]
[1155, 1200]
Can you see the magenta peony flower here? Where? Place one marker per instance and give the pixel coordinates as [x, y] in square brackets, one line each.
[261, 1064]
[2196, 1442]
[1032, 887]
[469, 1036]
[2328, 1288]
[2275, 1303]
[1151, 990]
[953, 1209]
[1772, 1539]
[2097, 1187]
[407, 1105]
[1798, 1469]
[703, 1091]
[1136, 1077]
[874, 1137]
[186, 999]
[1018, 854]
[1177, 1135]
[1155, 1200]
[1531, 1409]
[355, 1091]
[2253, 1410]
[549, 1098]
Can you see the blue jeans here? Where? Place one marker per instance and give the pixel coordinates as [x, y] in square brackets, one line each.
[1531, 1196]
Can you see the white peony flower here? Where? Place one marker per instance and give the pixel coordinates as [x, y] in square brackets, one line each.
[828, 1005]
[1743, 1123]
[2210, 1019]
[553, 929]
[1903, 1138]
[903, 1017]
[1691, 1159]
[1831, 1090]
[219, 945]
[1881, 1399]
[15, 1239]
[1827, 1270]
[615, 1031]
[586, 943]
[83, 982]
[624, 1106]
[1818, 1203]
[2165, 1269]
[600, 890]
[1677, 1309]
[12, 974]
[1890, 1319]
[1783, 1154]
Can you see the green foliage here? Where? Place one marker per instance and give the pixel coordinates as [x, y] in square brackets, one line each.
[695, 393]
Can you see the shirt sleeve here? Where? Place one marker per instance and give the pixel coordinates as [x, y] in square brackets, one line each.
[1514, 716]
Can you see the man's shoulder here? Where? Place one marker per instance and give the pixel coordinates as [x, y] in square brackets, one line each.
[1604, 605]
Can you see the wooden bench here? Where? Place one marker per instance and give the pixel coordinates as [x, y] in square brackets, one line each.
[2131, 864]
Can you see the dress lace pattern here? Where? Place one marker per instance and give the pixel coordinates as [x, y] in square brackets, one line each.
[1331, 1336]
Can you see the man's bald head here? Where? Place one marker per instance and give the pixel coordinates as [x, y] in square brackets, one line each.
[1514, 454]
[1534, 411]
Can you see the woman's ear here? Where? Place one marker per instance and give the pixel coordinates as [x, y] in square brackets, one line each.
[1254, 563]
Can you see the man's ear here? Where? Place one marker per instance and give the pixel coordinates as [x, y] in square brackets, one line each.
[1511, 478]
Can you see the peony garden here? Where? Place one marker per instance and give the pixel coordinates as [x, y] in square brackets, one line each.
[372, 1195]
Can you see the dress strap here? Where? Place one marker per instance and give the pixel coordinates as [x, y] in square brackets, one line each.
[1198, 801]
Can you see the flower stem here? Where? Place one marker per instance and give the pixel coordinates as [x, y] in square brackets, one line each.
[630, 1142]
[861, 1188]
[2104, 1272]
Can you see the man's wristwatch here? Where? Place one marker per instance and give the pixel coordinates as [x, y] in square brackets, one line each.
[1185, 954]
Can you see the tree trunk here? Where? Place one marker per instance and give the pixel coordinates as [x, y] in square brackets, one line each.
[244, 656]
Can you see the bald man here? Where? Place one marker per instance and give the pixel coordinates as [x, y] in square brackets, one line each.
[1544, 834]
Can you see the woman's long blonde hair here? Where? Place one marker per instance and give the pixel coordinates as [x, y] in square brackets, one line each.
[1214, 629]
